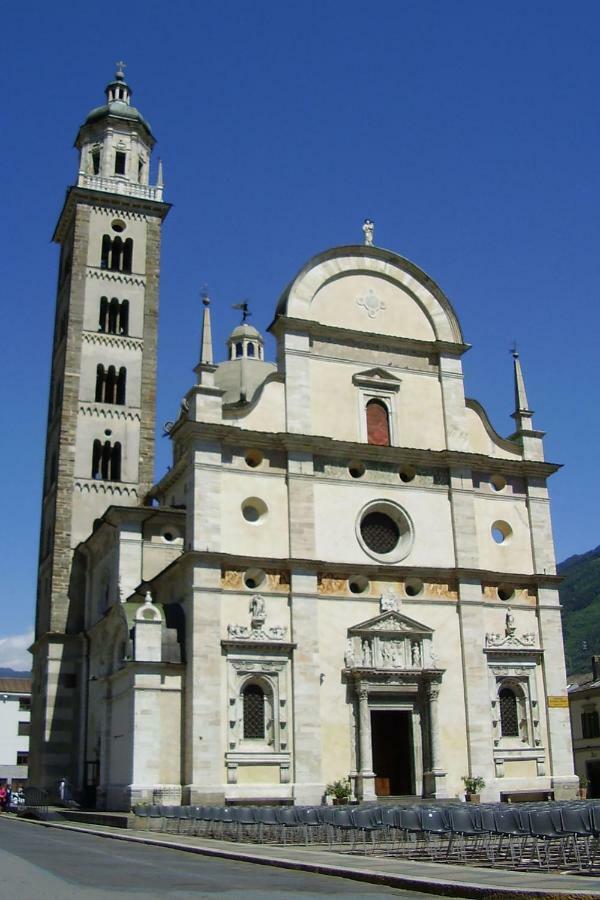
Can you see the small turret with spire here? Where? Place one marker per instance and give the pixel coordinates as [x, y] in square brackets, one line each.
[530, 439]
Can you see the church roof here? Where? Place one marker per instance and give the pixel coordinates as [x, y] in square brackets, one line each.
[245, 330]
[119, 110]
[241, 378]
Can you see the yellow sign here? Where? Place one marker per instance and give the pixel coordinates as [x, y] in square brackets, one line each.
[558, 702]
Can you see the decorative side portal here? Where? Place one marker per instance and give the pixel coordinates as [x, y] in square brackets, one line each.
[395, 687]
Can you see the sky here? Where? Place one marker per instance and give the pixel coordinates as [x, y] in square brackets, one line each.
[467, 131]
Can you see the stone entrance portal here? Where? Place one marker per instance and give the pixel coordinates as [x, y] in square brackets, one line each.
[393, 752]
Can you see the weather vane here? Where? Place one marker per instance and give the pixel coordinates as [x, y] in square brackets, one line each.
[244, 308]
[513, 350]
[204, 295]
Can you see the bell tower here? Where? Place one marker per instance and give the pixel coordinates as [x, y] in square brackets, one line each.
[101, 411]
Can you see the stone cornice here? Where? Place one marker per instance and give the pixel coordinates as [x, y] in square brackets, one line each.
[324, 446]
[105, 200]
[372, 570]
[113, 340]
[352, 336]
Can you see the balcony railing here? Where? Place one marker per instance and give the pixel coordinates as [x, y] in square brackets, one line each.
[120, 186]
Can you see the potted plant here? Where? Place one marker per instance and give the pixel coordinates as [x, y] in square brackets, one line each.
[583, 787]
[473, 787]
[339, 791]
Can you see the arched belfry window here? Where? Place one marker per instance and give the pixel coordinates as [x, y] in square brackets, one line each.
[378, 423]
[116, 254]
[254, 711]
[106, 461]
[250, 349]
[509, 712]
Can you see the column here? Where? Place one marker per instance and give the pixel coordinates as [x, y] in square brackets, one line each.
[435, 777]
[367, 776]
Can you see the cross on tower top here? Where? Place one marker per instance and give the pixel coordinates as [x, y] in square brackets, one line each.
[120, 66]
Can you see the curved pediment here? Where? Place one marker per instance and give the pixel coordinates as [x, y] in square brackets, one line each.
[391, 621]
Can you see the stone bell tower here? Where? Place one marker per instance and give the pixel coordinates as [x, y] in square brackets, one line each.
[101, 413]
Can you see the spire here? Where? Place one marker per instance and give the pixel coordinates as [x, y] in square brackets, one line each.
[522, 414]
[206, 351]
[206, 367]
[159, 180]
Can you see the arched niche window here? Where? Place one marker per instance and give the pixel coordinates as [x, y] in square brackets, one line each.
[253, 698]
[239, 349]
[378, 423]
[251, 351]
[509, 712]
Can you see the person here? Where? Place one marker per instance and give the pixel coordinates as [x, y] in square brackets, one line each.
[3, 797]
[8, 800]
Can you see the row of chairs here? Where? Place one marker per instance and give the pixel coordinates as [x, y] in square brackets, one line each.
[538, 834]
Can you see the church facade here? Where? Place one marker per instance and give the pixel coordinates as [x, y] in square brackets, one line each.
[346, 572]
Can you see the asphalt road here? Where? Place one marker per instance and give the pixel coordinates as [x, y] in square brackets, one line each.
[49, 864]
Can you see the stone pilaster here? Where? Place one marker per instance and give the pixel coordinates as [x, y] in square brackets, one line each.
[366, 776]
[309, 786]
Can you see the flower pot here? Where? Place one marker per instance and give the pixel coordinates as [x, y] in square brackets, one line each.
[583, 791]
[473, 798]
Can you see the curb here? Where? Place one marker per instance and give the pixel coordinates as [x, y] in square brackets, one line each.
[461, 889]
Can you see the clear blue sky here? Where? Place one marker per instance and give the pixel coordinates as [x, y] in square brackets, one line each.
[468, 131]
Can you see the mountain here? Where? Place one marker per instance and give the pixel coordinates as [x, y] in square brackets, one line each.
[580, 598]
[12, 673]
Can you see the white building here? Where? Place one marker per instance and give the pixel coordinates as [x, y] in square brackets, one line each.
[346, 570]
[584, 705]
[15, 705]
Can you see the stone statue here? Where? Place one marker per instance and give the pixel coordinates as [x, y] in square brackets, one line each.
[349, 654]
[510, 627]
[367, 655]
[416, 654]
[368, 231]
[257, 610]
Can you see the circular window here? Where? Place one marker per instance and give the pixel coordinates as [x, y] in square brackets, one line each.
[384, 531]
[169, 536]
[506, 591]
[358, 584]
[118, 225]
[413, 587]
[253, 458]
[108, 432]
[501, 532]
[407, 473]
[254, 510]
[356, 468]
[254, 578]
[498, 482]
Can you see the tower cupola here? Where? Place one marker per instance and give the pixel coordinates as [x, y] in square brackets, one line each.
[245, 342]
[115, 143]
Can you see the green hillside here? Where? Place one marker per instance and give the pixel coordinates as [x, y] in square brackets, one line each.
[580, 597]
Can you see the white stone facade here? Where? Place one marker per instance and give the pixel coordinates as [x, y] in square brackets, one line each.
[345, 572]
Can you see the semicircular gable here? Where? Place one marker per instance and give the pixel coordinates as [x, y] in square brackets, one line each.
[368, 289]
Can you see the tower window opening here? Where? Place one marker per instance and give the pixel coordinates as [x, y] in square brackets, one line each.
[251, 351]
[239, 350]
[127, 255]
[99, 395]
[124, 317]
[96, 162]
[117, 254]
[120, 159]
[113, 316]
[103, 317]
[140, 170]
[121, 379]
[106, 461]
[378, 423]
